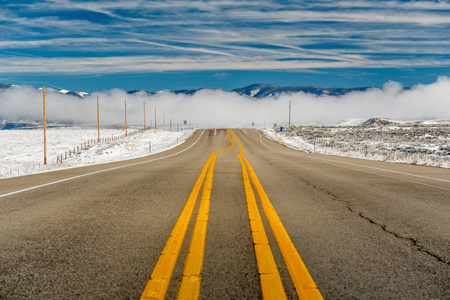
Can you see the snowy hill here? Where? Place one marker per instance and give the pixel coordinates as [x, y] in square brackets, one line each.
[260, 91]
[78, 94]
[17, 125]
[268, 90]
[176, 92]
[257, 91]
[379, 122]
[48, 89]
[4, 86]
[350, 122]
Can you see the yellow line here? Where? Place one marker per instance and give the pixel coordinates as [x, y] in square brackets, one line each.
[303, 282]
[271, 284]
[190, 283]
[156, 287]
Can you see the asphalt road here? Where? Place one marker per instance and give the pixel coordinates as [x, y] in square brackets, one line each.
[365, 230]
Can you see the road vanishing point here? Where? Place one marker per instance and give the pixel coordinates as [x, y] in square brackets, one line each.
[228, 214]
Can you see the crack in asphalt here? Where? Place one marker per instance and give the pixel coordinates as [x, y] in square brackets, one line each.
[334, 197]
[413, 241]
[348, 205]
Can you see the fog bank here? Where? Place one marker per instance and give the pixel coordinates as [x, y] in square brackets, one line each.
[211, 108]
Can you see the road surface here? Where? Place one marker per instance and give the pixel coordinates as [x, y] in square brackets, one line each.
[361, 229]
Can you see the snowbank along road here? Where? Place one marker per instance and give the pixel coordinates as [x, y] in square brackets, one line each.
[227, 215]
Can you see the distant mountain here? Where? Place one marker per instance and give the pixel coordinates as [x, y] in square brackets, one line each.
[5, 86]
[255, 91]
[78, 94]
[374, 122]
[47, 89]
[138, 92]
[187, 92]
[267, 90]
[66, 92]
[260, 91]
[176, 92]
[18, 125]
[380, 122]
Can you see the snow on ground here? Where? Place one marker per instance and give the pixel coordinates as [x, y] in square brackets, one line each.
[22, 151]
[420, 144]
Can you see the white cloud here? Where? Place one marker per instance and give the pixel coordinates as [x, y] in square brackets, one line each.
[51, 42]
[183, 49]
[427, 5]
[210, 108]
[227, 35]
[145, 63]
[358, 16]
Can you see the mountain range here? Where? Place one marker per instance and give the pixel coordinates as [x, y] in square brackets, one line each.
[263, 90]
[255, 91]
[268, 90]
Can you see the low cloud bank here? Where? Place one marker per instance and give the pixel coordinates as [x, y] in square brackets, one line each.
[210, 108]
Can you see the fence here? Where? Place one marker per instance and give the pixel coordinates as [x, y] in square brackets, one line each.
[87, 145]
[56, 163]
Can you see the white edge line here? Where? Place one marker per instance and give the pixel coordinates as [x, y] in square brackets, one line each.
[362, 166]
[97, 172]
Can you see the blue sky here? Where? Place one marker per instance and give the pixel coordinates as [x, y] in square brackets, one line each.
[155, 45]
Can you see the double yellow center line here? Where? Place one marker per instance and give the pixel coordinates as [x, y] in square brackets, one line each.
[271, 283]
[156, 287]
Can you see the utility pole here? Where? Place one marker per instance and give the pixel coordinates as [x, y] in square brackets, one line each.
[144, 115]
[156, 127]
[290, 102]
[98, 121]
[45, 131]
[126, 126]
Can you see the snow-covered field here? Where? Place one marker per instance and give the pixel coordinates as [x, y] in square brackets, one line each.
[422, 144]
[22, 151]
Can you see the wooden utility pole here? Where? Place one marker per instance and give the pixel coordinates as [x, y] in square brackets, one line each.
[126, 126]
[156, 126]
[144, 115]
[45, 131]
[98, 121]
[290, 102]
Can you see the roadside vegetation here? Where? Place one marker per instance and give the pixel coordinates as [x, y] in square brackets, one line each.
[421, 144]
